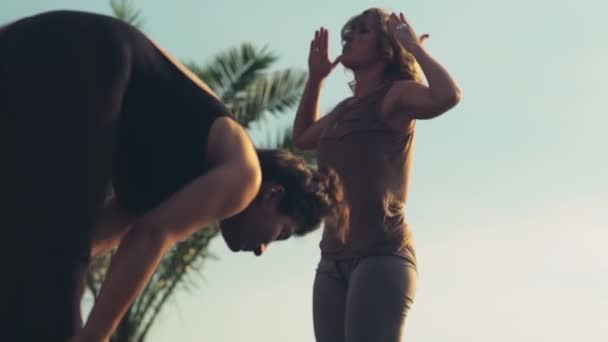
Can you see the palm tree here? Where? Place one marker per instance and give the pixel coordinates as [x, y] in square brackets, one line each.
[241, 78]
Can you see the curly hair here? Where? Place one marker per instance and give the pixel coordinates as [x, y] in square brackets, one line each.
[401, 65]
[310, 195]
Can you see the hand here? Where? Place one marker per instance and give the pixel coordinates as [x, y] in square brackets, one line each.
[404, 32]
[319, 65]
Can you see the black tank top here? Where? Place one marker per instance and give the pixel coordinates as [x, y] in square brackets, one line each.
[164, 127]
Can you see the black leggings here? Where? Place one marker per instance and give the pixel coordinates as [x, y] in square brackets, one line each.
[62, 79]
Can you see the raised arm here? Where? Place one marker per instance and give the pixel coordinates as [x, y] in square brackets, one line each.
[225, 190]
[415, 99]
[307, 126]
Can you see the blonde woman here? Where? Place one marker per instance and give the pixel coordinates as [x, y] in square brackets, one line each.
[366, 280]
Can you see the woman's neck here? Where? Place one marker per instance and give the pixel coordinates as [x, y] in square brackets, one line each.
[368, 80]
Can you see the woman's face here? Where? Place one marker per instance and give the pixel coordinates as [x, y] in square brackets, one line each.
[361, 44]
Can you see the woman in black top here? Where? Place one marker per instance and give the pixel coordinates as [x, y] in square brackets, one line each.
[87, 101]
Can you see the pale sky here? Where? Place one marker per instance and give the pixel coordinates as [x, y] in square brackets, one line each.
[508, 198]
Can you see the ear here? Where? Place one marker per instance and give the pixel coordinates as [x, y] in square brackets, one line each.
[274, 192]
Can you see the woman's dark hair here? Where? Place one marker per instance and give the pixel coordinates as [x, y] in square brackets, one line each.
[310, 195]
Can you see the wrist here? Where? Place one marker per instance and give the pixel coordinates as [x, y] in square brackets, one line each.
[414, 48]
[316, 79]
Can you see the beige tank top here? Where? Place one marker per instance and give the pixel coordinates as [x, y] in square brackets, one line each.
[374, 163]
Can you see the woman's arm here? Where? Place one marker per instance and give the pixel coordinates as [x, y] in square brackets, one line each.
[418, 100]
[307, 127]
[222, 192]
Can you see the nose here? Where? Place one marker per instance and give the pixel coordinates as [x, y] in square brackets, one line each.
[260, 249]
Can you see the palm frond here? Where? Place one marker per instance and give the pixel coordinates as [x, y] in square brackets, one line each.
[232, 71]
[126, 11]
[274, 93]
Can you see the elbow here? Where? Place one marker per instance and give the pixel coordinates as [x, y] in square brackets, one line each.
[443, 105]
[302, 144]
[148, 239]
[456, 97]
[298, 143]
[452, 100]
[296, 138]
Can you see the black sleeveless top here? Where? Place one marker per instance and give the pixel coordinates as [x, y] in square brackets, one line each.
[164, 127]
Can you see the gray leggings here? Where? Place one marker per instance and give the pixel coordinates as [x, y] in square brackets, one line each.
[363, 299]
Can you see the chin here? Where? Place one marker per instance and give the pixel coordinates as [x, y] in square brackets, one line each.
[353, 65]
[347, 62]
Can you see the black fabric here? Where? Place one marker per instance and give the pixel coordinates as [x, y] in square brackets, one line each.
[84, 98]
[165, 122]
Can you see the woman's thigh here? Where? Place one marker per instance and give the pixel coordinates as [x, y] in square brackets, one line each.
[329, 302]
[381, 292]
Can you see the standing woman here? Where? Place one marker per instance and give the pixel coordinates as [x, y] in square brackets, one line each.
[366, 280]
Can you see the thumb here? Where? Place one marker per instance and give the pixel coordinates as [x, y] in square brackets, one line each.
[424, 37]
[336, 61]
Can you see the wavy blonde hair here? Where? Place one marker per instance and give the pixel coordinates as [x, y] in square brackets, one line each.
[401, 65]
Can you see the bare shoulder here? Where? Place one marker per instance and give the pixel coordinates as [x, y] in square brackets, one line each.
[228, 141]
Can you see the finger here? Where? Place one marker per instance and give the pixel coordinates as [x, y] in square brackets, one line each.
[394, 21]
[389, 24]
[316, 39]
[403, 19]
[321, 38]
[326, 40]
[394, 18]
[312, 48]
[424, 37]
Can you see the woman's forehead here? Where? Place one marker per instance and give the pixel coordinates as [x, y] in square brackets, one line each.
[369, 20]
